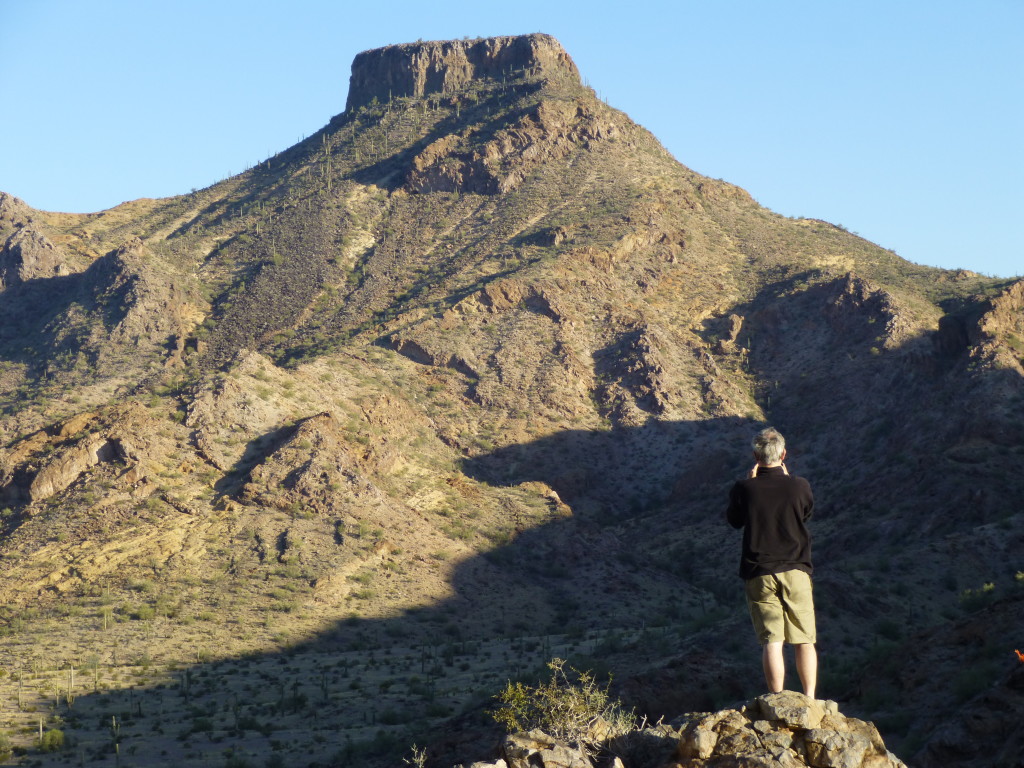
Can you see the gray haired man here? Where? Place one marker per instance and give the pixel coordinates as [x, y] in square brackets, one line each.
[773, 507]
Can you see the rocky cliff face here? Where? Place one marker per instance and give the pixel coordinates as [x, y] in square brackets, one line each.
[26, 252]
[446, 67]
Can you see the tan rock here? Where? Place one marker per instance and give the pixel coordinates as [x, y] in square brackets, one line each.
[75, 424]
[136, 474]
[562, 756]
[833, 749]
[68, 465]
[699, 743]
[518, 747]
[792, 709]
[538, 750]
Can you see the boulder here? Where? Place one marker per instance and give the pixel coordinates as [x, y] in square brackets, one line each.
[538, 750]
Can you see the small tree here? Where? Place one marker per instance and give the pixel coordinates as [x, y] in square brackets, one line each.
[570, 707]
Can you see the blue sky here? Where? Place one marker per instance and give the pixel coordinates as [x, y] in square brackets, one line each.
[901, 120]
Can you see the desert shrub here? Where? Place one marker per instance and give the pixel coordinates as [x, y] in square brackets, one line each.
[6, 750]
[52, 741]
[975, 599]
[570, 707]
[458, 530]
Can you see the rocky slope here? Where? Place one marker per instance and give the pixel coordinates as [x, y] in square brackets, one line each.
[780, 730]
[479, 360]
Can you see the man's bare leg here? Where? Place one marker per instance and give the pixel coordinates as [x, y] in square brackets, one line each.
[774, 666]
[807, 667]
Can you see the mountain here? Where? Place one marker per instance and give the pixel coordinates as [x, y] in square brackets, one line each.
[462, 380]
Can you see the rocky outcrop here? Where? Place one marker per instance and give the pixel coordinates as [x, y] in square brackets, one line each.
[420, 69]
[992, 336]
[48, 462]
[550, 131]
[779, 730]
[426, 354]
[28, 254]
[504, 295]
[14, 213]
[128, 299]
[634, 372]
[432, 344]
[142, 306]
[70, 464]
[314, 466]
[1005, 312]
[999, 333]
[227, 419]
[853, 303]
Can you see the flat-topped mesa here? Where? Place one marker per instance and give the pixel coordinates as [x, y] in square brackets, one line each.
[445, 66]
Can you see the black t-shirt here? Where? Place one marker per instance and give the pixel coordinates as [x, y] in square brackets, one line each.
[772, 509]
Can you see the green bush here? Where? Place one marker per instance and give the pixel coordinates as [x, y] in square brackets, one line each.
[52, 741]
[570, 707]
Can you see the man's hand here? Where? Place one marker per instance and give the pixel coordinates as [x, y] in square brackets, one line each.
[753, 473]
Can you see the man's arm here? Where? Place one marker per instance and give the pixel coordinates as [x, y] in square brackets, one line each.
[736, 513]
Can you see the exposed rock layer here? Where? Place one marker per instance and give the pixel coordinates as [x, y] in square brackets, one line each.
[419, 69]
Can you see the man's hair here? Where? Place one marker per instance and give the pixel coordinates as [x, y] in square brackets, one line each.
[769, 445]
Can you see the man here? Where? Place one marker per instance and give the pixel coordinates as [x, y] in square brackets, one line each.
[772, 507]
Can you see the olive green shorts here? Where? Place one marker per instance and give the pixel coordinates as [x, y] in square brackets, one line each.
[782, 607]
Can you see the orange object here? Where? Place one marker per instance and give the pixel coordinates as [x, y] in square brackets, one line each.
[1020, 655]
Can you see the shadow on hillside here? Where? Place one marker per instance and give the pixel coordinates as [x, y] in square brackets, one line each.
[609, 476]
[584, 576]
[608, 486]
[28, 312]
